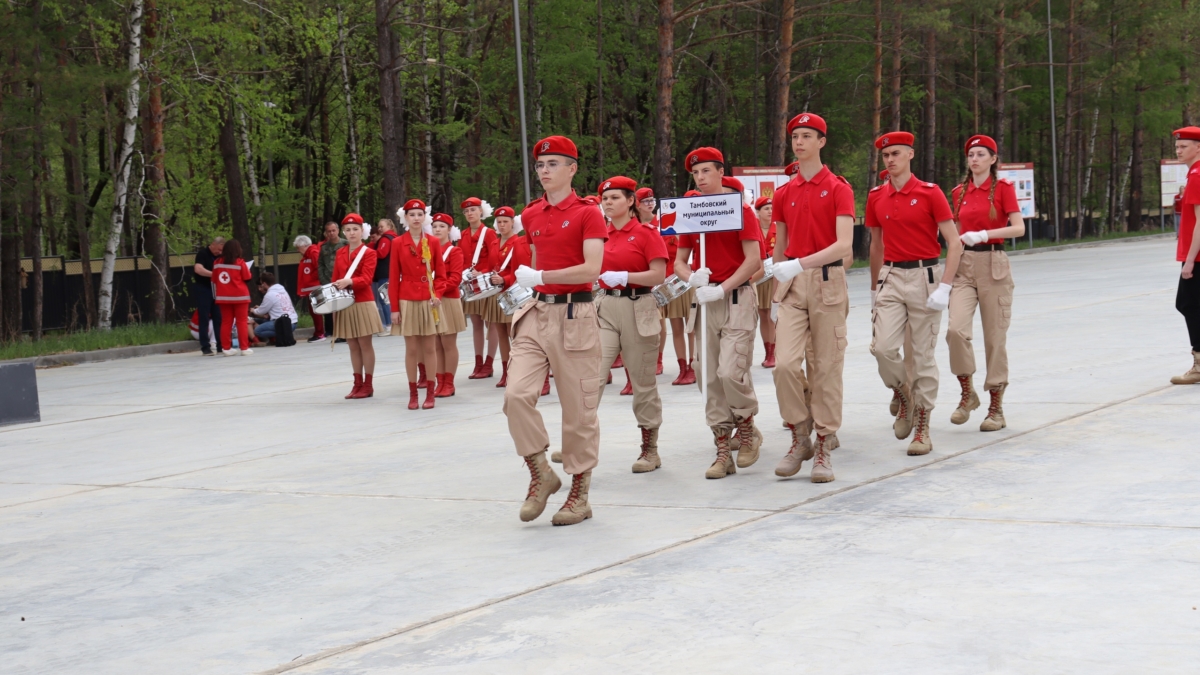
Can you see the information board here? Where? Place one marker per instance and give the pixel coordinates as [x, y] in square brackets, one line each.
[1173, 174]
[703, 214]
[1021, 176]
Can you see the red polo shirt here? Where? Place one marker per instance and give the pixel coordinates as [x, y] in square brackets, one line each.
[723, 250]
[974, 214]
[1187, 223]
[631, 248]
[557, 232]
[809, 209]
[909, 218]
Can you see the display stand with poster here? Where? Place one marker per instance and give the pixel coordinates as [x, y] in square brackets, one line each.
[1021, 175]
[760, 181]
[1173, 177]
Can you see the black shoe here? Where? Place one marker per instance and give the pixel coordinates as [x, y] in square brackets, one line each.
[206, 352]
[317, 338]
[339, 341]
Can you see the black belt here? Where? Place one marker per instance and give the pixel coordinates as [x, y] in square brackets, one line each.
[913, 264]
[581, 296]
[985, 247]
[631, 293]
[836, 263]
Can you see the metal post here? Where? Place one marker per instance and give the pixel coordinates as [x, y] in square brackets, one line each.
[600, 84]
[521, 99]
[1053, 119]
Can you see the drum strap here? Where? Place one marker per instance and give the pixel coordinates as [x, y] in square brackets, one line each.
[446, 253]
[479, 245]
[508, 257]
[354, 265]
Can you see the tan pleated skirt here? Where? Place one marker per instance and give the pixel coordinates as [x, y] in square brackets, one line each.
[453, 319]
[416, 318]
[358, 320]
[763, 291]
[679, 307]
[492, 313]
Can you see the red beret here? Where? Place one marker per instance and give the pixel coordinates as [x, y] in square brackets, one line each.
[617, 183]
[505, 212]
[1187, 134]
[807, 121]
[883, 174]
[471, 201]
[981, 141]
[644, 193]
[731, 182]
[692, 193]
[352, 218]
[761, 202]
[443, 218]
[412, 204]
[792, 169]
[556, 145]
[703, 155]
[894, 138]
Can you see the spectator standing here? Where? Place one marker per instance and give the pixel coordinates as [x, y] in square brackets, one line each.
[385, 233]
[308, 280]
[276, 303]
[229, 287]
[202, 294]
[325, 262]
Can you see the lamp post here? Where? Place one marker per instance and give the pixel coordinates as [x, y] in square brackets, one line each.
[521, 99]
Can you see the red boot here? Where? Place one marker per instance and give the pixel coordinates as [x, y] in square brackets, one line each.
[422, 380]
[769, 362]
[690, 376]
[478, 367]
[619, 363]
[683, 368]
[447, 385]
[503, 377]
[658, 371]
[628, 390]
[358, 383]
[546, 387]
[486, 370]
[429, 396]
[368, 389]
[441, 382]
[412, 396]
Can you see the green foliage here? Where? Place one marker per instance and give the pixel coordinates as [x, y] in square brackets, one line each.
[87, 341]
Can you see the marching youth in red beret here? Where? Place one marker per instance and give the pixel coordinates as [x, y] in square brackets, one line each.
[480, 247]
[514, 252]
[1187, 253]
[764, 289]
[354, 269]
[453, 321]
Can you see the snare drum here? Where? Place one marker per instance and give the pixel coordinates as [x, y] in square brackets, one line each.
[668, 290]
[478, 286]
[514, 298]
[768, 270]
[329, 299]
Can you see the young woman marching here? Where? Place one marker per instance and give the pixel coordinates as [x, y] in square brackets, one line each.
[453, 319]
[986, 210]
[481, 252]
[354, 268]
[230, 292]
[645, 208]
[416, 283]
[635, 260]
[765, 289]
[676, 311]
[514, 252]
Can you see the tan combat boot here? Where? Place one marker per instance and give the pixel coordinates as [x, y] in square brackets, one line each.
[1192, 376]
[894, 406]
[576, 509]
[822, 470]
[556, 457]
[649, 459]
[995, 417]
[543, 482]
[749, 441]
[723, 465]
[921, 443]
[904, 413]
[800, 452]
[968, 402]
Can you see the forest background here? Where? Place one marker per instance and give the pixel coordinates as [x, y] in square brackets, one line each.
[144, 128]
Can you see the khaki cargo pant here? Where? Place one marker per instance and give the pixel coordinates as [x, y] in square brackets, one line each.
[565, 338]
[900, 303]
[630, 328]
[984, 279]
[812, 321]
[727, 346]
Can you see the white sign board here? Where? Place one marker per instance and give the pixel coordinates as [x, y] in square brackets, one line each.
[1173, 173]
[760, 181]
[703, 214]
[1021, 176]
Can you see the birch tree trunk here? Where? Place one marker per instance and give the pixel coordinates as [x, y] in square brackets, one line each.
[252, 175]
[121, 168]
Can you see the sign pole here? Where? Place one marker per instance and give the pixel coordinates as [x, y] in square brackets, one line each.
[703, 334]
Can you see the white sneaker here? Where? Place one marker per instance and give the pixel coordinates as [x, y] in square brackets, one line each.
[230, 352]
[247, 352]
[383, 333]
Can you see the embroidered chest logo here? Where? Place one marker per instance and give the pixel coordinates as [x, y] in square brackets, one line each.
[632, 238]
[566, 223]
[913, 203]
[223, 277]
[823, 193]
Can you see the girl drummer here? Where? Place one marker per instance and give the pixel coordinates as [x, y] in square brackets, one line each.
[360, 321]
[480, 253]
[453, 321]
[766, 289]
[635, 260]
[514, 252]
[987, 213]
[417, 281]
[676, 311]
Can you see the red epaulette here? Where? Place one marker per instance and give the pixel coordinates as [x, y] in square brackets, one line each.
[843, 179]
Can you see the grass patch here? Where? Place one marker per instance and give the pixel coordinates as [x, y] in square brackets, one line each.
[87, 341]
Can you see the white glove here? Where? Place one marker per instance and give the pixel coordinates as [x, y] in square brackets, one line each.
[873, 299]
[614, 279]
[785, 271]
[707, 294]
[527, 277]
[699, 278]
[774, 312]
[939, 299]
[973, 238]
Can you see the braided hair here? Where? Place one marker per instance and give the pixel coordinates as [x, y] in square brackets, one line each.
[962, 197]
